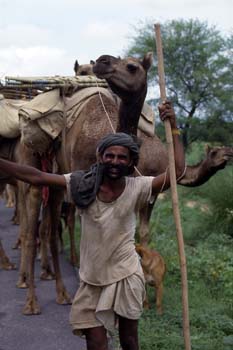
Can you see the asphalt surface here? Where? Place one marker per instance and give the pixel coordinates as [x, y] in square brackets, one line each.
[48, 331]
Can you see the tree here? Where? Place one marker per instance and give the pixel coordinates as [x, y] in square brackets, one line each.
[198, 69]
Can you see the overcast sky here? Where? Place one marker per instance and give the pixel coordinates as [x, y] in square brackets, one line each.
[44, 37]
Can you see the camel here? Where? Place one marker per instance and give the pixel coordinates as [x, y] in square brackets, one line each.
[83, 69]
[120, 75]
[11, 149]
[32, 197]
[153, 155]
[5, 261]
[10, 196]
[29, 201]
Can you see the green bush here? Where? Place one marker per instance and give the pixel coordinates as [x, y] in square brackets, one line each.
[219, 192]
[208, 249]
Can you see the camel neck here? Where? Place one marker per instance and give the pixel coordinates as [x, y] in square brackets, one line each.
[129, 114]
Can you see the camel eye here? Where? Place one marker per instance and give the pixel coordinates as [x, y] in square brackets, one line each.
[131, 67]
[213, 153]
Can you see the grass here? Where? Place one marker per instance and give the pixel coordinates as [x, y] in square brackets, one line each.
[208, 247]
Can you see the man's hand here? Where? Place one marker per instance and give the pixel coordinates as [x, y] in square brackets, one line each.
[166, 111]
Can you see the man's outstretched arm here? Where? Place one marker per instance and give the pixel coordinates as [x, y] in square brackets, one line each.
[31, 175]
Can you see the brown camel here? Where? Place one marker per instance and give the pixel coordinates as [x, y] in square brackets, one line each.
[10, 196]
[120, 75]
[5, 262]
[153, 159]
[11, 149]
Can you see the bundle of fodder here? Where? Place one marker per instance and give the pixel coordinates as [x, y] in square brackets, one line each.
[52, 82]
[18, 93]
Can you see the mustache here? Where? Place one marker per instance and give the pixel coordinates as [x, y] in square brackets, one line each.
[122, 168]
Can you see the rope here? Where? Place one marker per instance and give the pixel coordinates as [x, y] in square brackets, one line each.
[165, 178]
[109, 120]
[63, 142]
[113, 130]
[179, 178]
[182, 175]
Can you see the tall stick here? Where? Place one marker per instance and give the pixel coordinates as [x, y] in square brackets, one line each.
[175, 203]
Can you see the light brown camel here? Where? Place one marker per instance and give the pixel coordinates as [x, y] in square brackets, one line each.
[29, 201]
[83, 69]
[31, 197]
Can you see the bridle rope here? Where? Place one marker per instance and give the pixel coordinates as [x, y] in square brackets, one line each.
[108, 117]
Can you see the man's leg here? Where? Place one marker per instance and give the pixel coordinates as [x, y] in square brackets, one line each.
[96, 338]
[128, 333]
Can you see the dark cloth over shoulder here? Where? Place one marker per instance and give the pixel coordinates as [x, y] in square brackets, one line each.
[84, 185]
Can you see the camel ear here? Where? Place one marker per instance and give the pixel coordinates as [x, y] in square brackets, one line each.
[147, 60]
[92, 62]
[76, 66]
[207, 149]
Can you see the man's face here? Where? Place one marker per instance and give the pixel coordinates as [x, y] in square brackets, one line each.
[117, 161]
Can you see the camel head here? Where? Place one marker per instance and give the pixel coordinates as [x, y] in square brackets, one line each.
[83, 69]
[218, 157]
[126, 77]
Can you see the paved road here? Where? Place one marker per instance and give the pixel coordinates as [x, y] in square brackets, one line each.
[48, 331]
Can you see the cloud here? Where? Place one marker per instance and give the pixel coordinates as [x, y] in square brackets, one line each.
[24, 35]
[36, 60]
[103, 37]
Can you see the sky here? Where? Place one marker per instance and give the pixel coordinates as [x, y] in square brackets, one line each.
[45, 37]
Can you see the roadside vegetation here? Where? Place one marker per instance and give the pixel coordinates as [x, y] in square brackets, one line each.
[207, 223]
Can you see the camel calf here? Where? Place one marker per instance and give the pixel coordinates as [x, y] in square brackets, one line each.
[154, 269]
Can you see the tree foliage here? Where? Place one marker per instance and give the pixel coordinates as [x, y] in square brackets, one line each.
[198, 67]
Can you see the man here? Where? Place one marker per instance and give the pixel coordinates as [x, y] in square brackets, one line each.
[111, 279]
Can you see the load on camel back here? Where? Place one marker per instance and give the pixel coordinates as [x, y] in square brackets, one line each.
[58, 104]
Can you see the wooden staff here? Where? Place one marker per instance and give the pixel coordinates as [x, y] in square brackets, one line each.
[175, 203]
